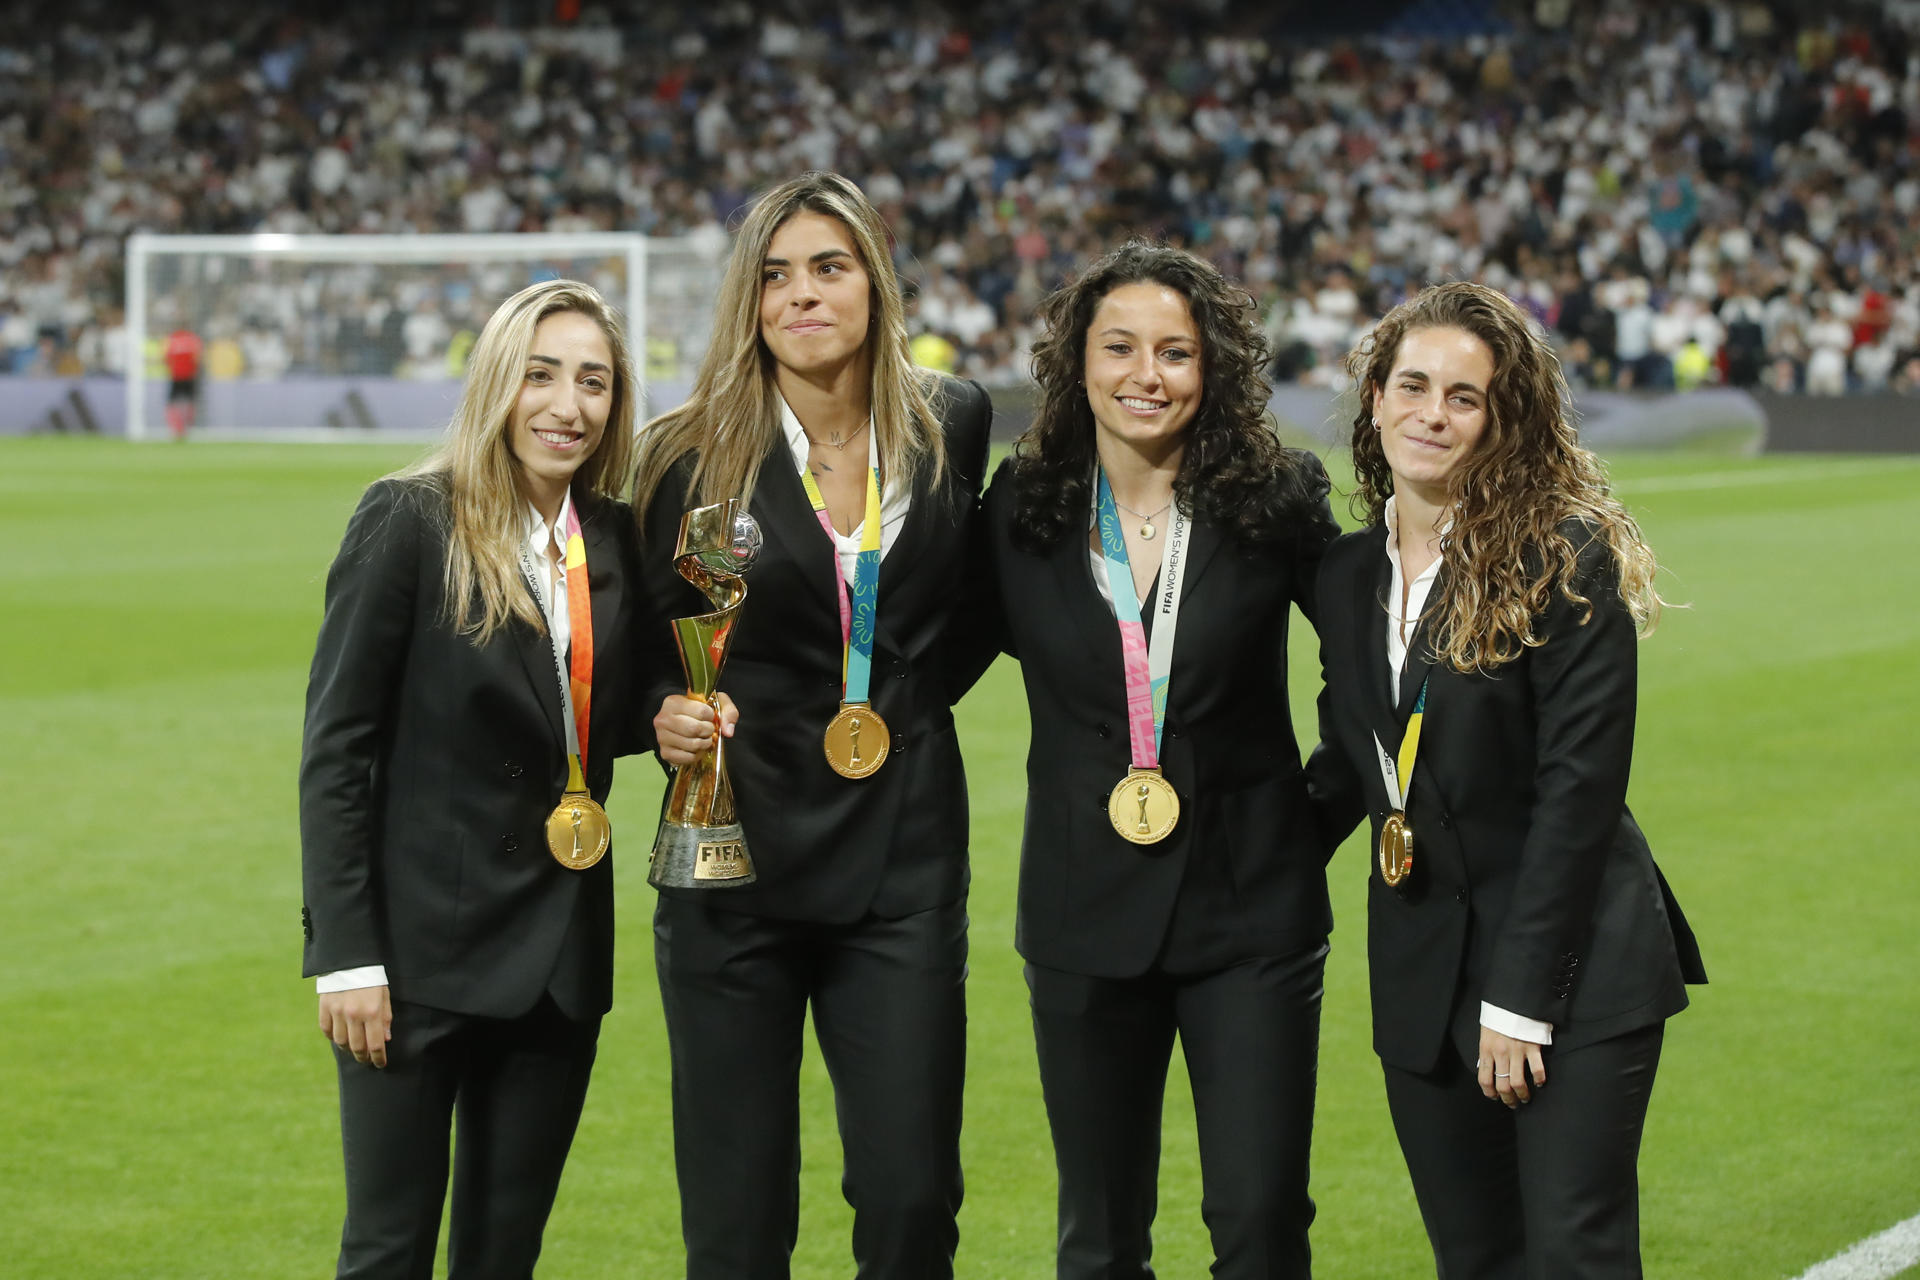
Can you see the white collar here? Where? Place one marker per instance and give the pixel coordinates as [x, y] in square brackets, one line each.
[539, 533]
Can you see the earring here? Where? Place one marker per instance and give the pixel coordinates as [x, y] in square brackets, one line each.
[1376, 424]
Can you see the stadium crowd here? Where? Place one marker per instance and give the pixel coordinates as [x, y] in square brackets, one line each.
[1684, 193]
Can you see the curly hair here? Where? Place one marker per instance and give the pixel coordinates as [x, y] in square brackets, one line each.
[1234, 474]
[1520, 498]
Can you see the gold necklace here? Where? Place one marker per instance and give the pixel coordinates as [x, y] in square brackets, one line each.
[1147, 528]
[836, 444]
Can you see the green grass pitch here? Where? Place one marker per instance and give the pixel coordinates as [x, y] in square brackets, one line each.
[167, 1108]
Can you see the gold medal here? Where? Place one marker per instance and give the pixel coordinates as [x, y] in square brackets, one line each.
[1396, 849]
[578, 832]
[1143, 807]
[856, 741]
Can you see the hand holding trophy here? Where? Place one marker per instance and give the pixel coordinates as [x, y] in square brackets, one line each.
[700, 844]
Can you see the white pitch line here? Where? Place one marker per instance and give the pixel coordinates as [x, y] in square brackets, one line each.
[1761, 475]
[1876, 1257]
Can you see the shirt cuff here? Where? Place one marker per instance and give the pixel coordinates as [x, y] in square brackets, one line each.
[1513, 1026]
[371, 975]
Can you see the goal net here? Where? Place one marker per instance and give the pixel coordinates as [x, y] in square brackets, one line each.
[354, 337]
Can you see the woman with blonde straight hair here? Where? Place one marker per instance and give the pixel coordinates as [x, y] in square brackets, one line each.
[471, 685]
[1478, 642]
[863, 473]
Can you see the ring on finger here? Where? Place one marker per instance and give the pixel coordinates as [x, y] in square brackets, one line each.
[1501, 1075]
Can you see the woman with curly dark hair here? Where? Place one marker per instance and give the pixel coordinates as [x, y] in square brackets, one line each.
[1478, 643]
[1172, 872]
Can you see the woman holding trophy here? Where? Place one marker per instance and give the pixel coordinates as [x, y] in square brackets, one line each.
[862, 474]
[470, 686]
[1478, 638]
[1172, 869]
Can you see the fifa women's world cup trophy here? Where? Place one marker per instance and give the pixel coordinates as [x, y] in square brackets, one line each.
[700, 844]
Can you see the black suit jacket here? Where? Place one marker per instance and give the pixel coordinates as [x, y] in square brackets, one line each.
[828, 849]
[1091, 902]
[1533, 888]
[429, 766]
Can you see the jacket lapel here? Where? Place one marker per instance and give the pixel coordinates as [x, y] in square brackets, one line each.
[910, 541]
[1370, 628]
[1419, 664]
[536, 655]
[604, 587]
[780, 504]
[1081, 607]
[1202, 543]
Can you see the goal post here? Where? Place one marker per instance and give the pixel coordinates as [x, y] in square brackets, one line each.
[351, 337]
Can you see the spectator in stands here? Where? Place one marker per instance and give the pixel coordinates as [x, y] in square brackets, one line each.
[1636, 145]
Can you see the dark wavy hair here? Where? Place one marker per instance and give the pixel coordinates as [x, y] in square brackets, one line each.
[1520, 498]
[1234, 474]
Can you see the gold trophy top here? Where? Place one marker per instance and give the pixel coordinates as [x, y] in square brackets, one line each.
[717, 545]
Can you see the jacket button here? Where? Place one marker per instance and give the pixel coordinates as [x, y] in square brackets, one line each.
[900, 672]
[1446, 821]
[900, 744]
[510, 842]
[1103, 729]
[514, 768]
[1172, 732]
[1459, 895]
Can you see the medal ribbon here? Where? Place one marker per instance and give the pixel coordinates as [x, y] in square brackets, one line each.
[860, 603]
[1149, 666]
[1398, 774]
[576, 685]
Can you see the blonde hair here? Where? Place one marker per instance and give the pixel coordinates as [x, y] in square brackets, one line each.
[1515, 497]
[732, 416]
[474, 462]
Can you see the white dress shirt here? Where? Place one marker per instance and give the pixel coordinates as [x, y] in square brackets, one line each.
[895, 498]
[1400, 625]
[553, 604]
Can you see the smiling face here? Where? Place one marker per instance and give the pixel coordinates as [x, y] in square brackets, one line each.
[1143, 367]
[815, 298]
[566, 393]
[1432, 411]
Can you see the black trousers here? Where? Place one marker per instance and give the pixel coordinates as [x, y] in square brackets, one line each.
[1251, 1035]
[510, 1090]
[889, 1011]
[1548, 1192]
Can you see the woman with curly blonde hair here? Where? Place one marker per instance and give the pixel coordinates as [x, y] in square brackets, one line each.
[1478, 642]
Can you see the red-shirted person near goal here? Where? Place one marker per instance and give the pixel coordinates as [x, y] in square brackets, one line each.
[182, 355]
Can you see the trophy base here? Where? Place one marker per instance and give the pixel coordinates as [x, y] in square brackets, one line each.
[690, 857]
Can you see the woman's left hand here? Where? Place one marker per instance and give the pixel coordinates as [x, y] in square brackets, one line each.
[1504, 1066]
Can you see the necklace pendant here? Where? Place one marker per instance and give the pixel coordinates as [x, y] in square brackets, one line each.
[1147, 530]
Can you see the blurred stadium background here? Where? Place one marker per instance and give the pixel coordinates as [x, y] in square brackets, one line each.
[1688, 195]
[1711, 205]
